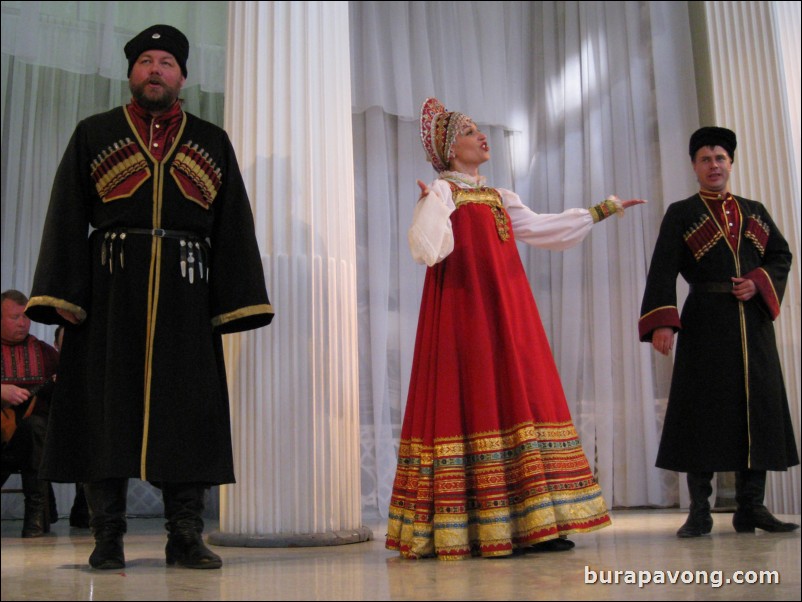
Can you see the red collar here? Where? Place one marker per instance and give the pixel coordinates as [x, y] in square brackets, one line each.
[142, 113]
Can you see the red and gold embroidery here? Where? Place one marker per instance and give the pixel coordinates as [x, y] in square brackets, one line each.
[119, 170]
[758, 232]
[522, 485]
[24, 364]
[702, 236]
[196, 174]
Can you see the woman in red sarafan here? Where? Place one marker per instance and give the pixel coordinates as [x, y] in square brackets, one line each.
[489, 461]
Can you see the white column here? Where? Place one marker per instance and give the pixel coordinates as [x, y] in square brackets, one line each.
[294, 384]
[754, 59]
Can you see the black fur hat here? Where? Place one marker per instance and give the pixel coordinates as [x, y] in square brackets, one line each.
[713, 136]
[159, 37]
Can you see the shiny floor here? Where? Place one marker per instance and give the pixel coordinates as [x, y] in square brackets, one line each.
[638, 558]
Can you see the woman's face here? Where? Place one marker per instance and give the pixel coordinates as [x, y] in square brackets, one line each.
[470, 148]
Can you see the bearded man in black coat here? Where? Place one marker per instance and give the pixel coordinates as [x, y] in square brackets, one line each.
[171, 263]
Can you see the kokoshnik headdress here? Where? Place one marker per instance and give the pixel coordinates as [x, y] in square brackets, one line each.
[438, 130]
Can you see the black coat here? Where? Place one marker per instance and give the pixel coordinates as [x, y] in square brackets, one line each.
[142, 387]
[727, 408]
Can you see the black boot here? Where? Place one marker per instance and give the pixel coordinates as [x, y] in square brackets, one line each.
[107, 501]
[751, 514]
[699, 521]
[183, 506]
[37, 502]
[52, 512]
[79, 514]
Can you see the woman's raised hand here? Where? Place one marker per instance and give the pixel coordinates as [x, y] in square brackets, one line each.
[424, 189]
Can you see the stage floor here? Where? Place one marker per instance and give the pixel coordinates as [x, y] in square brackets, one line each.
[611, 564]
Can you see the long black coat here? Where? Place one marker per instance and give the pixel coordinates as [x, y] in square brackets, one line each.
[142, 389]
[727, 408]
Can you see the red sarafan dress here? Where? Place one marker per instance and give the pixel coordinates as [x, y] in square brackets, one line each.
[489, 460]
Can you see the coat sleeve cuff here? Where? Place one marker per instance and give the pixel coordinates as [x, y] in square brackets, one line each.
[42, 308]
[661, 317]
[245, 318]
[766, 290]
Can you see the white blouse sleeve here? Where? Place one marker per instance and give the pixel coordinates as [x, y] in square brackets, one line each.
[430, 237]
[553, 231]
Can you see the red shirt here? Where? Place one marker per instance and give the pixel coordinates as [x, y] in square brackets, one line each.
[727, 213]
[157, 132]
[27, 364]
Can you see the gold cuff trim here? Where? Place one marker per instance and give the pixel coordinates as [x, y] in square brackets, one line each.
[55, 303]
[603, 210]
[244, 312]
[656, 309]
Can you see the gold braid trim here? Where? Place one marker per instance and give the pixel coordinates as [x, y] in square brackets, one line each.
[242, 313]
[702, 236]
[758, 232]
[55, 303]
[489, 197]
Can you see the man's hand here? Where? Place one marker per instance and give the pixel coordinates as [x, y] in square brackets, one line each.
[663, 340]
[743, 288]
[14, 395]
[68, 315]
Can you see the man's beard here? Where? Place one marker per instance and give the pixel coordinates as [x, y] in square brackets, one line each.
[153, 104]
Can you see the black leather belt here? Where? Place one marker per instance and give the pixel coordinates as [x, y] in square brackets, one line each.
[193, 254]
[162, 233]
[711, 287]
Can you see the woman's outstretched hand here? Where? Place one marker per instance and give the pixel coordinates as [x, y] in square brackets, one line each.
[632, 202]
[624, 204]
[424, 189]
[621, 206]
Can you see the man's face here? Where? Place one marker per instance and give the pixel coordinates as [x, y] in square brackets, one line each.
[156, 80]
[712, 166]
[16, 324]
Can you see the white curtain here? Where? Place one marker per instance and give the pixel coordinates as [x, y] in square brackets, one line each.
[565, 91]
[580, 99]
[787, 19]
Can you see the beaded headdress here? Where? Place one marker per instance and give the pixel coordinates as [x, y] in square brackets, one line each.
[438, 129]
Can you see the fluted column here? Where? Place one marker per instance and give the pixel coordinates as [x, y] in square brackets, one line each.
[294, 385]
[754, 70]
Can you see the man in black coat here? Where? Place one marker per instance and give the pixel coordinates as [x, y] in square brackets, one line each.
[727, 408]
[171, 263]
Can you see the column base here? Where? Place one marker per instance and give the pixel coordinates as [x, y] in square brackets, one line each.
[291, 540]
